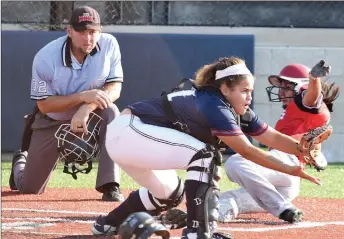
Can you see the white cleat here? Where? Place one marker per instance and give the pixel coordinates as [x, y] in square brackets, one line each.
[228, 210]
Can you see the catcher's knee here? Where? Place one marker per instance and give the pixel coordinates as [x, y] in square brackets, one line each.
[174, 200]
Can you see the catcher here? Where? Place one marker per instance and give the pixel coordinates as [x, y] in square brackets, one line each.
[307, 101]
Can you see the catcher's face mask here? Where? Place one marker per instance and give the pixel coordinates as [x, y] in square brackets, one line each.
[77, 150]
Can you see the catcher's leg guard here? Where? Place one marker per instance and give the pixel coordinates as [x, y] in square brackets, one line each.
[134, 204]
[202, 197]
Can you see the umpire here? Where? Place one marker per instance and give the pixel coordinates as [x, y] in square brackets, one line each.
[72, 76]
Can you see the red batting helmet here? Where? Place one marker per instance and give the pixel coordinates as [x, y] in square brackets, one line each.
[295, 73]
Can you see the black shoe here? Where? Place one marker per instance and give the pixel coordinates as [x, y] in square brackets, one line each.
[16, 156]
[101, 228]
[113, 194]
[292, 215]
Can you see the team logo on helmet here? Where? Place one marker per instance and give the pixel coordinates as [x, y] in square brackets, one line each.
[296, 74]
[78, 150]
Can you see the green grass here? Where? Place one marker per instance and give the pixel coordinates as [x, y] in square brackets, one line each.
[332, 179]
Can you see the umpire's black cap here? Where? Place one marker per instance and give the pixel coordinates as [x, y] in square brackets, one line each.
[84, 18]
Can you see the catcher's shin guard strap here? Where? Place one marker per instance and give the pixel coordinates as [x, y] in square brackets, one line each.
[208, 152]
[164, 204]
[203, 165]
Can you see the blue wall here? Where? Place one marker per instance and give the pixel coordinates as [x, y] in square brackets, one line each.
[151, 63]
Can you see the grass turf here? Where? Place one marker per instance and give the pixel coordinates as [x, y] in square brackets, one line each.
[332, 179]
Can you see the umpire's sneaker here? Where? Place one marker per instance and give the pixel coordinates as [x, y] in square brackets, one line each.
[18, 157]
[101, 228]
[292, 215]
[113, 193]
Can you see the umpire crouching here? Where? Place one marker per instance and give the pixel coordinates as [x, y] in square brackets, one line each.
[72, 76]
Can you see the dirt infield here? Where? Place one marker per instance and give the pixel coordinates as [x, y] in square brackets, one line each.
[69, 213]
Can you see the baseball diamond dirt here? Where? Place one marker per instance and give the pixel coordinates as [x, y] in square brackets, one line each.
[69, 213]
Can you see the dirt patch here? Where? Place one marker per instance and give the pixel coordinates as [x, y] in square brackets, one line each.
[69, 213]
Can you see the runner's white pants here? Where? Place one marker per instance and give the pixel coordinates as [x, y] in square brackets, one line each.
[262, 189]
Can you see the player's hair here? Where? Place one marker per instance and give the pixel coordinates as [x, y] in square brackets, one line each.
[205, 76]
[330, 94]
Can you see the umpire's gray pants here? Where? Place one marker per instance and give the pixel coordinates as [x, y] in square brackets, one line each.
[43, 155]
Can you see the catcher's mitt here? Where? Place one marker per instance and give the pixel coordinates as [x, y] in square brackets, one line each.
[314, 157]
[315, 136]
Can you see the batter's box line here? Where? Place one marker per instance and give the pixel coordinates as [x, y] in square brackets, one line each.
[60, 234]
[51, 211]
[46, 219]
[301, 225]
[304, 224]
[256, 221]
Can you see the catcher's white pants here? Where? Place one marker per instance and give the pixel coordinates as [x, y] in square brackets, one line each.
[150, 154]
[262, 189]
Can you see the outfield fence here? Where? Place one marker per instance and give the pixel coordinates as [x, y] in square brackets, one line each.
[54, 15]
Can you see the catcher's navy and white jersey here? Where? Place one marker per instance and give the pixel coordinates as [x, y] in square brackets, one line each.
[55, 71]
[205, 111]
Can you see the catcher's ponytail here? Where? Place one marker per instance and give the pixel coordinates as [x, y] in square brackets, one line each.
[330, 93]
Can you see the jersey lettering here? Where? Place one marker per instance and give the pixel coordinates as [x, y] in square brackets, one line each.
[42, 87]
[39, 86]
[180, 93]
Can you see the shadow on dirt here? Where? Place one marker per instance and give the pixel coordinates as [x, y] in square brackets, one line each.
[257, 221]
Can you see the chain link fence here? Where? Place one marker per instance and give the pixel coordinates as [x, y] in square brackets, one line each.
[54, 15]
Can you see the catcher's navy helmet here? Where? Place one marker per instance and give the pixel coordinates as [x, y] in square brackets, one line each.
[141, 225]
[78, 149]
